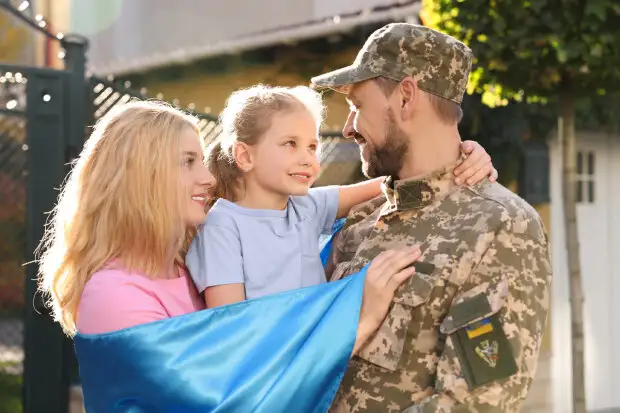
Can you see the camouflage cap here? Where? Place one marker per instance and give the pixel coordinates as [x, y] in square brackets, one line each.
[439, 62]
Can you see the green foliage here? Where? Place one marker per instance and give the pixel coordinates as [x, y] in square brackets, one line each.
[503, 130]
[599, 113]
[535, 49]
[10, 392]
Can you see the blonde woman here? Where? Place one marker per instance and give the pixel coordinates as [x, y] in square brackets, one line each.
[112, 256]
[112, 265]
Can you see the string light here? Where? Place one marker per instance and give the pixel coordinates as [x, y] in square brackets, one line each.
[23, 6]
[9, 77]
[19, 9]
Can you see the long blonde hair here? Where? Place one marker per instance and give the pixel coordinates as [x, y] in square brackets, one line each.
[246, 118]
[120, 201]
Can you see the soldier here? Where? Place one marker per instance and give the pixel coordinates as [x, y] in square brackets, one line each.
[464, 333]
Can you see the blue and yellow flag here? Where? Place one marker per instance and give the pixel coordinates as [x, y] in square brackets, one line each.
[281, 353]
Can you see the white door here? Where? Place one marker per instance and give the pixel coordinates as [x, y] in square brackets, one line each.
[598, 193]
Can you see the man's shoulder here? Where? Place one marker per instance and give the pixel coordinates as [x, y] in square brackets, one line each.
[498, 194]
[363, 212]
[503, 206]
[365, 209]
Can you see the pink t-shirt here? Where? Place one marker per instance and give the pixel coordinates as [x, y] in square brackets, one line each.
[114, 299]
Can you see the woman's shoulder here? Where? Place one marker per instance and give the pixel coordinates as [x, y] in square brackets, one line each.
[115, 283]
[114, 299]
[116, 276]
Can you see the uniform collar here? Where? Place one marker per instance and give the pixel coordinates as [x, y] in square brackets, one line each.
[421, 191]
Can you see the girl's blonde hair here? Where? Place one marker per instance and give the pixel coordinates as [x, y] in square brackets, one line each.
[246, 118]
[121, 201]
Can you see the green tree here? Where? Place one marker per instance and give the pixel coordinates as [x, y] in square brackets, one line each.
[563, 51]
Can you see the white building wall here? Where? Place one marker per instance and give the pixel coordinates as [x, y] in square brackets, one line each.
[599, 236]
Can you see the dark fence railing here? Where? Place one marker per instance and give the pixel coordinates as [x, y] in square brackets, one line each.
[13, 181]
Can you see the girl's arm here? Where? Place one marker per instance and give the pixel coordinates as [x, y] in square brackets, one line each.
[476, 167]
[351, 195]
[220, 295]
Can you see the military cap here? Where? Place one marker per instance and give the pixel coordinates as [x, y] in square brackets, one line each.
[439, 62]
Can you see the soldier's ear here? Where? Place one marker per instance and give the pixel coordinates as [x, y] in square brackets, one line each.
[409, 94]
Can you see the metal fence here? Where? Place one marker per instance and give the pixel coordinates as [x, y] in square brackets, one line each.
[13, 176]
[339, 158]
[12, 240]
[106, 94]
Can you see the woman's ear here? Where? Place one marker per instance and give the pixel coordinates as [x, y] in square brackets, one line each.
[243, 156]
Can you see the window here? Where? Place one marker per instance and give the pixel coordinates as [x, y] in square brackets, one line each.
[585, 177]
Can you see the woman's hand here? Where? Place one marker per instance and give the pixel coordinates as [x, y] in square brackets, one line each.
[386, 273]
[476, 167]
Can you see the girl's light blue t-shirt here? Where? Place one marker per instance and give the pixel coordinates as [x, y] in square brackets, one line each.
[269, 251]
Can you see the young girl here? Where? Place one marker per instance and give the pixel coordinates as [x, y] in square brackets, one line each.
[261, 234]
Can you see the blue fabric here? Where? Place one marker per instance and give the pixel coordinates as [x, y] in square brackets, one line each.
[280, 353]
[325, 243]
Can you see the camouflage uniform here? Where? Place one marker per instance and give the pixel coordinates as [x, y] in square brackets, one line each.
[464, 333]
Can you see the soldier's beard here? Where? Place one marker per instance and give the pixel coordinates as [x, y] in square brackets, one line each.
[387, 159]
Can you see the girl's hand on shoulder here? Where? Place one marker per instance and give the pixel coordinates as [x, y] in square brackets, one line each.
[477, 165]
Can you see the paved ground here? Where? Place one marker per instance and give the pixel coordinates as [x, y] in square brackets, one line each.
[11, 345]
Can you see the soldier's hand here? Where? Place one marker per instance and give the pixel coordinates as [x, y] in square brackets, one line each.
[386, 273]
